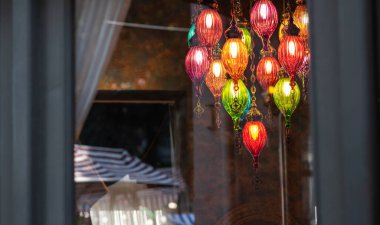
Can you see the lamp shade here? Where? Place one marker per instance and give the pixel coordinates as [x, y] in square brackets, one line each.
[235, 57]
[254, 138]
[301, 20]
[286, 98]
[234, 100]
[264, 20]
[209, 27]
[291, 53]
[267, 72]
[247, 39]
[190, 34]
[216, 77]
[197, 64]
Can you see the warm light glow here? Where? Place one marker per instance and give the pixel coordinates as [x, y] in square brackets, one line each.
[198, 57]
[234, 50]
[268, 66]
[270, 89]
[254, 131]
[208, 20]
[163, 219]
[286, 88]
[292, 48]
[305, 19]
[172, 205]
[264, 11]
[217, 69]
[149, 222]
[233, 92]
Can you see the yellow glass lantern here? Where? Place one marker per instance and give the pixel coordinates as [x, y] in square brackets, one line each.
[301, 20]
[235, 57]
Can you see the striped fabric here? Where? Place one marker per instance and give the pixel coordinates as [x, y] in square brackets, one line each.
[112, 165]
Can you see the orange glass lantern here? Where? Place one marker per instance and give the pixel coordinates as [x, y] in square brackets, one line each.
[254, 138]
[235, 57]
[301, 20]
[291, 53]
[216, 77]
[215, 81]
[209, 27]
[267, 72]
[264, 20]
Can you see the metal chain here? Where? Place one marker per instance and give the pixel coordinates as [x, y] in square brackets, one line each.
[254, 111]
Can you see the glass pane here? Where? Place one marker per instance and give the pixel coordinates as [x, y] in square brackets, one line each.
[144, 156]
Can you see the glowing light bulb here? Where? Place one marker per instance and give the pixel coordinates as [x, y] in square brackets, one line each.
[268, 66]
[292, 48]
[198, 57]
[172, 205]
[208, 20]
[286, 88]
[305, 19]
[254, 131]
[217, 69]
[234, 50]
[264, 11]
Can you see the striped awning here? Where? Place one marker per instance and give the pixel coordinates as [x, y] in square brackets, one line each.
[93, 164]
[181, 219]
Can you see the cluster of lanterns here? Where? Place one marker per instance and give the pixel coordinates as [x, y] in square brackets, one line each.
[223, 69]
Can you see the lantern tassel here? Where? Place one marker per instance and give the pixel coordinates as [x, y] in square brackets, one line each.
[198, 110]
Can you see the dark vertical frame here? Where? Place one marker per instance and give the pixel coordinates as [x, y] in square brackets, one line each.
[36, 115]
[343, 110]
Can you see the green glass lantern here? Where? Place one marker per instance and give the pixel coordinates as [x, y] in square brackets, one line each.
[247, 39]
[190, 34]
[286, 98]
[235, 99]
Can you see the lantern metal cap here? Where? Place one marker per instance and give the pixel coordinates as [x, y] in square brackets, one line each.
[233, 31]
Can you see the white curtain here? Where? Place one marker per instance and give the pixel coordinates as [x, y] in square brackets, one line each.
[95, 40]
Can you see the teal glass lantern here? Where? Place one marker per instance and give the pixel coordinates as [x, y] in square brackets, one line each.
[190, 34]
[235, 99]
[247, 39]
[286, 98]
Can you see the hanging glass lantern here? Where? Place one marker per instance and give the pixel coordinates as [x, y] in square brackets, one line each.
[267, 72]
[197, 64]
[286, 98]
[291, 53]
[215, 80]
[209, 27]
[254, 138]
[190, 34]
[235, 57]
[247, 39]
[235, 100]
[264, 20]
[301, 20]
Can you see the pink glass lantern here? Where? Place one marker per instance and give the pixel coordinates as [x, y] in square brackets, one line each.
[197, 64]
[264, 20]
[291, 53]
[209, 27]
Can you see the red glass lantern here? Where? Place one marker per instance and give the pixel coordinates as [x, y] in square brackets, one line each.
[197, 64]
[209, 27]
[291, 53]
[254, 138]
[264, 20]
[267, 72]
